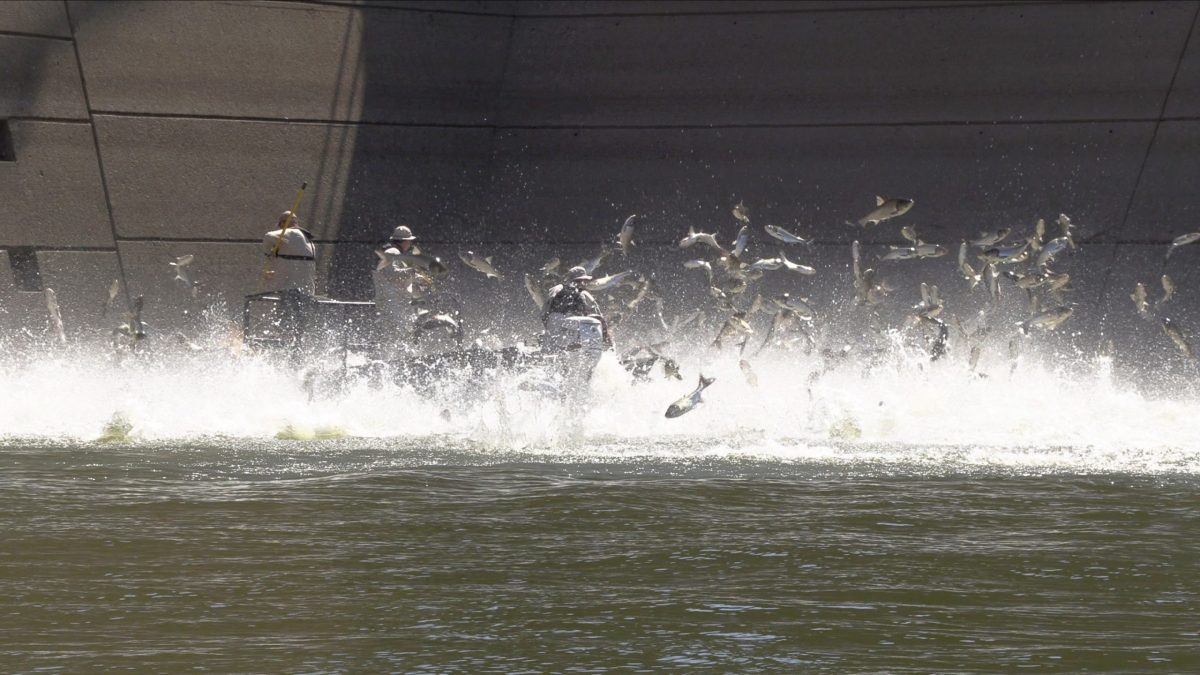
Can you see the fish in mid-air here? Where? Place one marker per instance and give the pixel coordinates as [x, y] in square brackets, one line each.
[796, 267]
[886, 208]
[625, 236]
[1047, 320]
[1182, 240]
[479, 264]
[686, 404]
[535, 292]
[605, 283]
[785, 236]
[1139, 299]
[112, 295]
[1168, 291]
[742, 213]
[988, 239]
[694, 237]
[1177, 337]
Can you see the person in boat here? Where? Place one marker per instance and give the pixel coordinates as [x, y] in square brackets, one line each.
[570, 299]
[290, 272]
[291, 263]
[402, 289]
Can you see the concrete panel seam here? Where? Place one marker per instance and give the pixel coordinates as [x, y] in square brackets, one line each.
[1149, 148]
[15, 33]
[812, 10]
[112, 224]
[367, 4]
[648, 127]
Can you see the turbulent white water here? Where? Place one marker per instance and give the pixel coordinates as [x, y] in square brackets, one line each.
[897, 410]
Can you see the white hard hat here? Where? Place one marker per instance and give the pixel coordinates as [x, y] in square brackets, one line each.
[578, 273]
[402, 233]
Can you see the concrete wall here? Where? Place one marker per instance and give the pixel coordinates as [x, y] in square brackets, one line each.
[145, 130]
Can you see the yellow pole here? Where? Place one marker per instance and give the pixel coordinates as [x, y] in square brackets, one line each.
[267, 271]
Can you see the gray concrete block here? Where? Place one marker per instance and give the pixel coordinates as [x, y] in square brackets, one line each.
[578, 185]
[206, 179]
[40, 79]
[81, 280]
[284, 60]
[1165, 205]
[52, 194]
[35, 17]
[1185, 95]
[1010, 62]
[675, 7]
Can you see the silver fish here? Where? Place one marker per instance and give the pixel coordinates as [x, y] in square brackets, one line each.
[428, 264]
[698, 264]
[1139, 299]
[886, 208]
[1047, 320]
[694, 237]
[479, 264]
[742, 213]
[55, 315]
[796, 305]
[993, 281]
[924, 250]
[625, 236]
[1168, 287]
[766, 264]
[428, 321]
[739, 242]
[535, 292]
[112, 296]
[1065, 226]
[1005, 255]
[733, 326]
[989, 239]
[1051, 249]
[910, 233]
[748, 372]
[688, 403]
[1177, 337]
[1182, 240]
[900, 253]
[796, 267]
[968, 272]
[785, 236]
[605, 283]
[590, 266]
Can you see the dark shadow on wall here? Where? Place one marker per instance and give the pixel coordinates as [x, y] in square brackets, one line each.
[418, 69]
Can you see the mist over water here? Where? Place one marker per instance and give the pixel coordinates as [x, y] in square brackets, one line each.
[898, 408]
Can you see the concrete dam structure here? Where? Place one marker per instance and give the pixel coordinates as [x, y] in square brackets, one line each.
[135, 132]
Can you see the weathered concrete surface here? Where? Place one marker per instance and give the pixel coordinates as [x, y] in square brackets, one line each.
[51, 195]
[290, 60]
[34, 17]
[676, 7]
[578, 185]
[1185, 95]
[40, 78]
[1023, 62]
[1165, 205]
[223, 179]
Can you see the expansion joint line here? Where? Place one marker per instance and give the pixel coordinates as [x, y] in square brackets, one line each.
[87, 102]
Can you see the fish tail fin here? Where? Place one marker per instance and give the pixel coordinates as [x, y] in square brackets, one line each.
[383, 261]
[705, 381]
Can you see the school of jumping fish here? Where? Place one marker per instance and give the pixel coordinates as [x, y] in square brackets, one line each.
[1024, 260]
